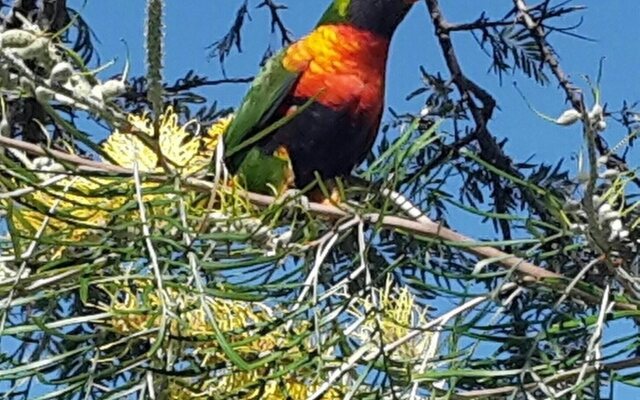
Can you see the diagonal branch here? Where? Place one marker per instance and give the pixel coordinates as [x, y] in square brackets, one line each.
[424, 226]
[470, 93]
[574, 95]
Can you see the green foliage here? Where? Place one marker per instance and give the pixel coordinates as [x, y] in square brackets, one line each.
[143, 272]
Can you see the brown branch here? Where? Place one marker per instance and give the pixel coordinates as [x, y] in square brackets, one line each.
[574, 95]
[425, 228]
[466, 87]
[431, 229]
[482, 23]
[507, 391]
[470, 91]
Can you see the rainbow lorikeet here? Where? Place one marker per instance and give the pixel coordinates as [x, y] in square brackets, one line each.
[316, 106]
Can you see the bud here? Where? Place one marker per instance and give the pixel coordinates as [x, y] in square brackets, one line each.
[113, 88]
[61, 72]
[34, 50]
[568, 117]
[596, 113]
[16, 38]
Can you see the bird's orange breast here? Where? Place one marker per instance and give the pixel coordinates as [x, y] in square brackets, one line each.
[340, 66]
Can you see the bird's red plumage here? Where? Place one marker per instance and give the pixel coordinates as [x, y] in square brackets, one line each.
[342, 67]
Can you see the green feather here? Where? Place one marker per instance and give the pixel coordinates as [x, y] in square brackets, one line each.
[336, 13]
[270, 88]
[263, 173]
[266, 94]
[267, 91]
[259, 171]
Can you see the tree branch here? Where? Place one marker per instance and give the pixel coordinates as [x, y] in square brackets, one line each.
[574, 95]
[490, 150]
[423, 227]
[507, 391]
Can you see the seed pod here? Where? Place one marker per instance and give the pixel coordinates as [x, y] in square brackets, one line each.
[605, 208]
[44, 95]
[96, 94]
[5, 127]
[64, 99]
[601, 125]
[79, 85]
[16, 38]
[602, 160]
[113, 88]
[610, 173]
[596, 113]
[616, 225]
[34, 50]
[61, 72]
[568, 117]
[610, 215]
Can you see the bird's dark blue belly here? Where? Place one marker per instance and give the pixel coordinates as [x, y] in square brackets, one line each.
[331, 142]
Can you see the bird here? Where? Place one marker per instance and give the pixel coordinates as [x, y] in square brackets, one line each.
[315, 108]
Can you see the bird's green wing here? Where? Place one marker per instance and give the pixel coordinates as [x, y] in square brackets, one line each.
[270, 88]
[266, 94]
[336, 13]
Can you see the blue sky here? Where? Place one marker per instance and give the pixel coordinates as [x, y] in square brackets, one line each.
[194, 24]
[190, 29]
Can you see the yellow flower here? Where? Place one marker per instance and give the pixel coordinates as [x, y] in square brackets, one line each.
[188, 152]
[80, 204]
[287, 388]
[137, 307]
[390, 315]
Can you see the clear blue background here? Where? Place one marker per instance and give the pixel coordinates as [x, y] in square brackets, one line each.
[192, 25]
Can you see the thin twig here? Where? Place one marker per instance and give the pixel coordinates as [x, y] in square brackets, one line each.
[26, 190]
[153, 257]
[562, 376]
[25, 256]
[574, 95]
[595, 343]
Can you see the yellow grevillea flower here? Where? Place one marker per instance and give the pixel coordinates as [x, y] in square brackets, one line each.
[138, 307]
[181, 145]
[287, 388]
[391, 314]
[81, 204]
